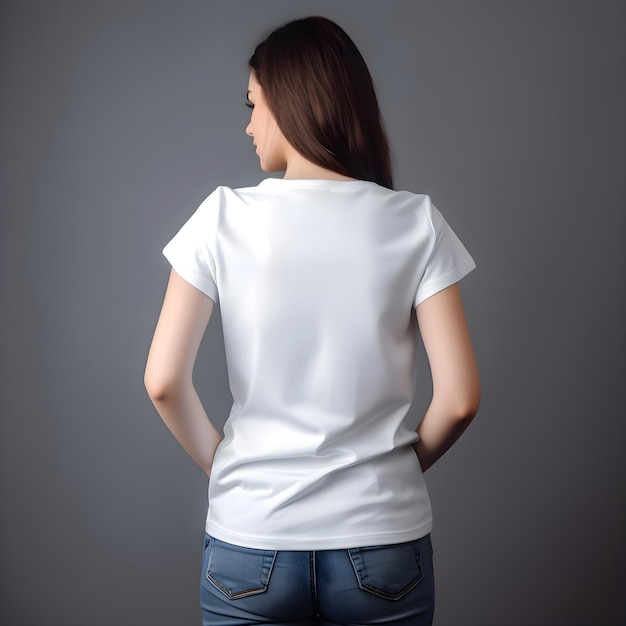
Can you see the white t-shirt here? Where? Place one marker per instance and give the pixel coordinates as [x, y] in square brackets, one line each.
[317, 282]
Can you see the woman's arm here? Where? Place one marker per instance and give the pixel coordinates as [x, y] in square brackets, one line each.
[456, 384]
[168, 378]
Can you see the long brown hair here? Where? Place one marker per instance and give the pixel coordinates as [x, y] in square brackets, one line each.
[321, 94]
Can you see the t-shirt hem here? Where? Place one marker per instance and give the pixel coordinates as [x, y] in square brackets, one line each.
[440, 283]
[199, 282]
[318, 543]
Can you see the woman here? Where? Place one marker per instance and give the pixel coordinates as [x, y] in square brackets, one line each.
[318, 512]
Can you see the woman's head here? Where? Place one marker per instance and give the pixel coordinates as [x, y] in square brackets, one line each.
[319, 91]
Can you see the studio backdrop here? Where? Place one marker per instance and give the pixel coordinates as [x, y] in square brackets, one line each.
[120, 116]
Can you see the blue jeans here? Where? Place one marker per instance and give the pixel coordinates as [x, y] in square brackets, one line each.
[390, 585]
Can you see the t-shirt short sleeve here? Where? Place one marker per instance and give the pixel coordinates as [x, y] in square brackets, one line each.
[448, 262]
[191, 251]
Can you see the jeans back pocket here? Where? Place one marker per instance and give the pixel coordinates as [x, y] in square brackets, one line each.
[239, 572]
[387, 571]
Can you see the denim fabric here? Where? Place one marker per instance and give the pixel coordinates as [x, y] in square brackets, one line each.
[390, 585]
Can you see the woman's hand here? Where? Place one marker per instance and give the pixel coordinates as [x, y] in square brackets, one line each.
[168, 378]
[456, 384]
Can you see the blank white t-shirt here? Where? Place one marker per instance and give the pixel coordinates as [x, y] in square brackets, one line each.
[317, 282]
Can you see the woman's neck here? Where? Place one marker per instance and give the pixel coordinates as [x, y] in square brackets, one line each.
[300, 167]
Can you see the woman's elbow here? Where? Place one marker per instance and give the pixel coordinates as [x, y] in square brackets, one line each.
[468, 395]
[467, 413]
[460, 407]
[159, 386]
[467, 407]
[155, 388]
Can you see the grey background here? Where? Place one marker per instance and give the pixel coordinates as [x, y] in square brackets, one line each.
[119, 117]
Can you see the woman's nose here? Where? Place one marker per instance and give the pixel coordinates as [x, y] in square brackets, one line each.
[249, 130]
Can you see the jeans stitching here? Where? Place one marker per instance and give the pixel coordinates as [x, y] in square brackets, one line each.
[314, 581]
[245, 592]
[358, 564]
